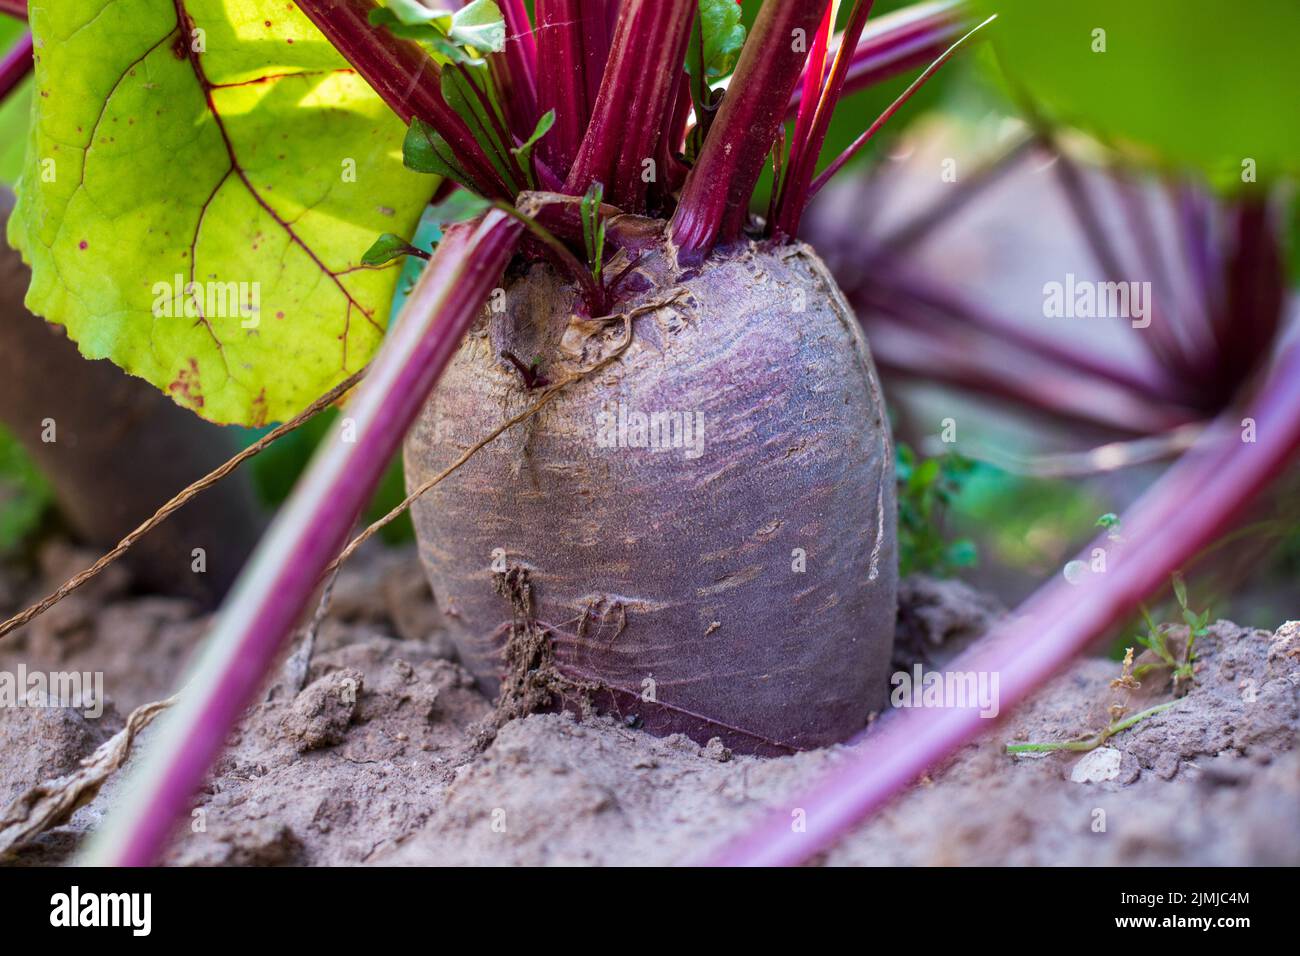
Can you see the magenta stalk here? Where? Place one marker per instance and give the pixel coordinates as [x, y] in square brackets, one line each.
[893, 108]
[900, 41]
[14, 8]
[814, 119]
[280, 579]
[515, 70]
[1221, 474]
[648, 46]
[15, 66]
[572, 41]
[715, 199]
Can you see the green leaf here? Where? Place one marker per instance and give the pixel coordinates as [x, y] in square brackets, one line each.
[593, 228]
[422, 32]
[475, 29]
[208, 145]
[389, 247]
[723, 34]
[469, 90]
[414, 13]
[479, 25]
[1180, 591]
[525, 149]
[1194, 84]
[425, 151]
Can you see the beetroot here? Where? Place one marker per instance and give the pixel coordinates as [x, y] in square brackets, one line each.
[736, 579]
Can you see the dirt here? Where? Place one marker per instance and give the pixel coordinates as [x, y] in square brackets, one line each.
[382, 756]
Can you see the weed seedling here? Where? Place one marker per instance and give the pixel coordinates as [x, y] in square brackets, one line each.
[1157, 641]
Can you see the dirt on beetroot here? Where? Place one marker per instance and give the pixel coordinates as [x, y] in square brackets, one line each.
[387, 754]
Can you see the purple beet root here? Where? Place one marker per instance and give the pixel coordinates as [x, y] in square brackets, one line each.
[698, 536]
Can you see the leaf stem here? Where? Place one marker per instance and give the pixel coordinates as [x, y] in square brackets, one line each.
[893, 108]
[899, 41]
[572, 47]
[1092, 743]
[592, 293]
[635, 102]
[15, 66]
[275, 587]
[815, 119]
[406, 78]
[714, 204]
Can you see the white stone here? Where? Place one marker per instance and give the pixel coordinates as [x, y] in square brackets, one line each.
[1096, 766]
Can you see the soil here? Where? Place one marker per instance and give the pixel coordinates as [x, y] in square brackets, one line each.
[388, 754]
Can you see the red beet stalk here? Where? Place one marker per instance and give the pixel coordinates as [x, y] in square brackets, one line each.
[15, 66]
[715, 199]
[897, 42]
[280, 579]
[572, 46]
[635, 101]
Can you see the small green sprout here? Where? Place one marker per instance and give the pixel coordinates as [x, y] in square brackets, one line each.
[593, 229]
[926, 488]
[1127, 681]
[1156, 641]
[1091, 742]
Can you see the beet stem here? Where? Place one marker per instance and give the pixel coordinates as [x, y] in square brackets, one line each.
[814, 120]
[15, 66]
[635, 102]
[278, 582]
[714, 205]
[572, 47]
[896, 42]
[893, 108]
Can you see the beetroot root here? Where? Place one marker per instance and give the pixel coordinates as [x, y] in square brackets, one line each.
[699, 535]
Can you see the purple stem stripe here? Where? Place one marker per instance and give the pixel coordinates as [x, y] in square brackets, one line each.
[15, 66]
[898, 286]
[1101, 243]
[900, 41]
[805, 149]
[520, 42]
[903, 239]
[572, 46]
[714, 204]
[904, 347]
[515, 69]
[893, 108]
[635, 101]
[1220, 474]
[14, 8]
[280, 579]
